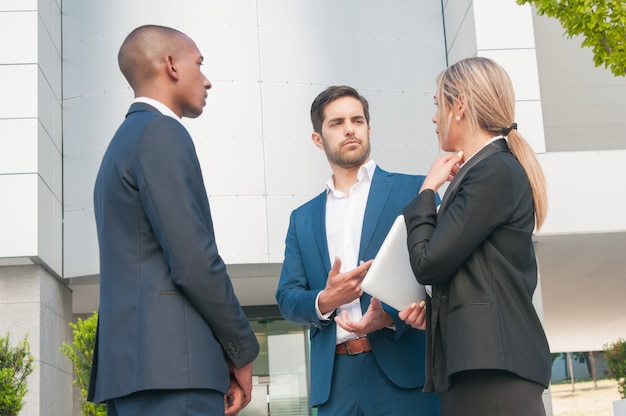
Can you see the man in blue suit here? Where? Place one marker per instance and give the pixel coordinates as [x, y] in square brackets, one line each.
[365, 360]
[172, 338]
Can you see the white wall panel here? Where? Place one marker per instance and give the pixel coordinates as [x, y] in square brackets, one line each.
[50, 163]
[279, 209]
[49, 110]
[231, 165]
[462, 41]
[80, 241]
[293, 164]
[568, 175]
[50, 18]
[403, 134]
[267, 62]
[18, 215]
[49, 56]
[583, 105]
[460, 31]
[18, 31]
[529, 118]
[18, 146]
[49, 228]
[18, 5]
[503, 24]
[240, 224]
[521, 65]
[18, 84]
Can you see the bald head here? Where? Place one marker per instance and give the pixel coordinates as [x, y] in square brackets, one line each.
[144, 50]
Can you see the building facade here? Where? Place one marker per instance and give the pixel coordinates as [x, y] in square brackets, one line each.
[63, 97]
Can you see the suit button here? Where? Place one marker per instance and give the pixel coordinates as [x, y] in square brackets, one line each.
[444, 299]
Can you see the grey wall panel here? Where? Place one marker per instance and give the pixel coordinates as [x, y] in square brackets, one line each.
[267, 60]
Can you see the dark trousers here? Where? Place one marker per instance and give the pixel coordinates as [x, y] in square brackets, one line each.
[492, 393]
[168, 402]
[360, 388]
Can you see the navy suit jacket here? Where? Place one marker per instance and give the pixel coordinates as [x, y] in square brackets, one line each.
[168, 316]
[400, 353]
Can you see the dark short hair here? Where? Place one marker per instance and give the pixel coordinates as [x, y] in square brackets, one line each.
[329, 95]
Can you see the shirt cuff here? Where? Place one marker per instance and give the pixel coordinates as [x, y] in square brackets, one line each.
[320, 316]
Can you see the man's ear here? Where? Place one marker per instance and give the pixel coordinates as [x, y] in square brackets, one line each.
[317, 140]
[170, 67]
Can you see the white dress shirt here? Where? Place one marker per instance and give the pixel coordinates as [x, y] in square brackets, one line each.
[344, 222]
[165, 110]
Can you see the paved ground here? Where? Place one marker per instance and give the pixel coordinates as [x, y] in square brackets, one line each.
[585, 400]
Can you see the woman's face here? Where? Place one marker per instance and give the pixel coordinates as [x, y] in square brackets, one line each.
[449, 125]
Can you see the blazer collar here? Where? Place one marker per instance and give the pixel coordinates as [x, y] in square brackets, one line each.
[379, 193]
[494, 147]
[138, 107]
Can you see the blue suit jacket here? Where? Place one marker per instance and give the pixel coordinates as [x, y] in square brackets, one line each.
[400, 353]
[168, 315]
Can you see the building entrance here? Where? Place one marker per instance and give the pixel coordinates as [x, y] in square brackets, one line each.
[280, 372]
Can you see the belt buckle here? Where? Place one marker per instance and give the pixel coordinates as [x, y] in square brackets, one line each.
[350, 352]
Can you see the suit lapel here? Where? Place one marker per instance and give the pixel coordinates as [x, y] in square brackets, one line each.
[318, 228]
[379, 192]
[493, 147]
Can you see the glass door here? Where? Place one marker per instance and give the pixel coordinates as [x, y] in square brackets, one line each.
[280, 372]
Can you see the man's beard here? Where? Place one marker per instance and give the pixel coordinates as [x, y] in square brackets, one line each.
[350, 160]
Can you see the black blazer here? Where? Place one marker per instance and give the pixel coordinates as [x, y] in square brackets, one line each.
[478, 255]
[168, 316]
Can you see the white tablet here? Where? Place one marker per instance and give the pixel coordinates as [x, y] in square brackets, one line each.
[390, 278]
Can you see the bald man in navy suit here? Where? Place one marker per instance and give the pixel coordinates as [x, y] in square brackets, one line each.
[172, 338]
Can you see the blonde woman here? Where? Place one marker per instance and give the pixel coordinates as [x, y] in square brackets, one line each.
[486, 349]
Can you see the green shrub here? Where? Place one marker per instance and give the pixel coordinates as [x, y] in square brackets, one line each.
[80, 352]
[16, 363]
[615, 354]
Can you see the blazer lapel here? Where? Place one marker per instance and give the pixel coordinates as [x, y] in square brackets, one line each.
[379, 192]
[493, 147]
[318, 228]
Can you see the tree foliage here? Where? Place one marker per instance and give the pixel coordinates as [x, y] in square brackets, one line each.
[602, 23]
[16, 363]
[615, 354]
[80, 352]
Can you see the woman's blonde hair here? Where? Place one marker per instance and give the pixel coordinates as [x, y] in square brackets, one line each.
[489, 101]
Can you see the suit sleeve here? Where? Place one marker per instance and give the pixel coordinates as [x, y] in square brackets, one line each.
[296, 299]
[438, 246]
[174, 197]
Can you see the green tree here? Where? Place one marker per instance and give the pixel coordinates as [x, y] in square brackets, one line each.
[16, 363]
[602, 23]
[80, 352]
[615, 354]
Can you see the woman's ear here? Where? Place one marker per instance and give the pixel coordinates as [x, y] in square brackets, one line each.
[460, 105]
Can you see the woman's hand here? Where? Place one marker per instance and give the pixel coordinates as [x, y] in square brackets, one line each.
[442, 170]
[414, 315]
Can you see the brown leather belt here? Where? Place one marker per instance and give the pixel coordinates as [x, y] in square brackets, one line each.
[354, 346]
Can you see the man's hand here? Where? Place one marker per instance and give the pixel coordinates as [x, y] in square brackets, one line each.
[375, 318]
[414, 315]
[243, 379]
[233, 400]
[342, 288]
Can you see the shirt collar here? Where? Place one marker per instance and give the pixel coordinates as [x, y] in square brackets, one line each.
[493, 139]
[165, 110]
[366, 172]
